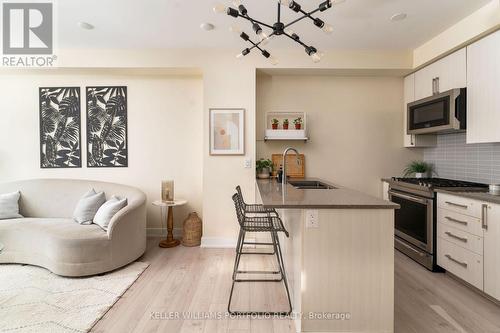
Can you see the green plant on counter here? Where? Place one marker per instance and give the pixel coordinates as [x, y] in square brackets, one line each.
[418, 167]
[285, 122]
[263, 164]
[297, 121]
[275, 121]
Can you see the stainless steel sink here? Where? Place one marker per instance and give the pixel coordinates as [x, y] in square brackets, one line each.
[310, 185]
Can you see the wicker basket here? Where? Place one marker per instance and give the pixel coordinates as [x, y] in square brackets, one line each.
[192, 230]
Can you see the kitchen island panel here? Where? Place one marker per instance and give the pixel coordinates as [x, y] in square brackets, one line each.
[348, 267]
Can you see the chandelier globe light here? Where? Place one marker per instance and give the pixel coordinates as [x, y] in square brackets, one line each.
[278, 28]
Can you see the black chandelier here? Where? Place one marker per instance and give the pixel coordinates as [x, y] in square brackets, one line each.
[279, 28]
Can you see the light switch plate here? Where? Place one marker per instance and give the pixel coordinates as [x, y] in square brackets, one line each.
[312, 218]
[248, 163]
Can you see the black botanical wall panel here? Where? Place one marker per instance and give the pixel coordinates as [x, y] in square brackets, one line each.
[107, 144]
[60, 131]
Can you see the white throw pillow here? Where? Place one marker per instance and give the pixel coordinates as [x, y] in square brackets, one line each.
[108, 210]
[87, 207]
[9, 205]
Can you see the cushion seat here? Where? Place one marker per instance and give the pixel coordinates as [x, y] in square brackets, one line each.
[62, 239]
[49, 237]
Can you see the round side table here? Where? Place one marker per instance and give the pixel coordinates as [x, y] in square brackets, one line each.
[167, 206]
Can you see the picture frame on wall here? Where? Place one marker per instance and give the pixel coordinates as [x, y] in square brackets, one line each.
[60, 127]
[107, 132]
[227, 131]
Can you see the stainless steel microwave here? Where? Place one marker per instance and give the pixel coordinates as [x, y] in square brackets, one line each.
[441, 113]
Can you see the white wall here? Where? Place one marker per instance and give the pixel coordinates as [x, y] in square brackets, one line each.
[165, 133]
[227, 82]
[355, 126]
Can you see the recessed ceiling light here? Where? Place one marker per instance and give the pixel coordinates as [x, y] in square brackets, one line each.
[85, 25]
[398, 17]
[207, 26]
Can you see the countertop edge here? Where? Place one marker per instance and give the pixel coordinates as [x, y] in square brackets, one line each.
[388, 206]
[480, 196]
[378, 204]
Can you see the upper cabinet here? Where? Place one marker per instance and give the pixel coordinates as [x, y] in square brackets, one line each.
[445, 74]
[409, 96]
[483, 90]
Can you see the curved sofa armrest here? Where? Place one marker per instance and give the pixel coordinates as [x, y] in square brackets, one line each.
[132, 216]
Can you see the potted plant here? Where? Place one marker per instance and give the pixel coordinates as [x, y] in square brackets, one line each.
[298, 123]
[285, 124]
[420, 169]
[264, 168]
[274, 123]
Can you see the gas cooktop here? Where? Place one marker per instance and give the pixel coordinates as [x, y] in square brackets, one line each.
[439, 182]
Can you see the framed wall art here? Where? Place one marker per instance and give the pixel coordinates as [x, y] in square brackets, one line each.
[60, 127]
[107, 142]
[227, 131]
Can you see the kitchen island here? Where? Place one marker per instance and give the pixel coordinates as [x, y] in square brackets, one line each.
[339, 257]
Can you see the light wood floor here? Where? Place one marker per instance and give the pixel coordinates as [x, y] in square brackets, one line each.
[195, 280]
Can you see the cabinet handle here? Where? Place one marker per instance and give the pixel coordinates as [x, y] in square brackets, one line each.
[411, 140]
[463, 264]
[456, 205]
[455, 220]
[434, 86]
[462, 239]
[484, 216]
[437, 85]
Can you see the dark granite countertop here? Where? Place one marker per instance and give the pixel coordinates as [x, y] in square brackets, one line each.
[274, 196]
[476, 195]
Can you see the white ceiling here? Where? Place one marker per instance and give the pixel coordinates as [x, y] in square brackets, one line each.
[360, 24]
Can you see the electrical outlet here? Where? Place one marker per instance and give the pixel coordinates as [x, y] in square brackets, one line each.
[312, 218]
[248, 163]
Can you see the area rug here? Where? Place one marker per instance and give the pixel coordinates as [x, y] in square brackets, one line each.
[32, 299]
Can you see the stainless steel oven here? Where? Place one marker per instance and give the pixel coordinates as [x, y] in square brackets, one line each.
[414, 226]
[415, 222]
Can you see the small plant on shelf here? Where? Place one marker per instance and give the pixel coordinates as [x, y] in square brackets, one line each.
[285, 124]
[298, 123]
[274, 123]
[264, 168]
[419, 169]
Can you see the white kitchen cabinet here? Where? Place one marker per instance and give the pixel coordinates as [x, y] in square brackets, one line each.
[464, 225]
[450, 72]
[461, 262]
[483, 90]
[411, 140]
[491, 221]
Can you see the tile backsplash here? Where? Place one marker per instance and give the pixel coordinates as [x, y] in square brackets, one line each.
[453, 158]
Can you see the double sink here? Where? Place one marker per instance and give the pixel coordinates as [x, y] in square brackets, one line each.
[310, 185]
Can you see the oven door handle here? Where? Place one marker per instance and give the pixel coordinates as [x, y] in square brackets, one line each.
[408, 197]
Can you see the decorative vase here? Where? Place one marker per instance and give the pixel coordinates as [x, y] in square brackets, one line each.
[285, 126]
[298, 126]
[275, 126]
[420, 175]
[193, 230]
[263, 173]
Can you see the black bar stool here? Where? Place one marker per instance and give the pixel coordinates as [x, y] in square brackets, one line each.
[256, 218]
[255, 210]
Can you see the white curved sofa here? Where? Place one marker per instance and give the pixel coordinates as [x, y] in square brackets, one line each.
[47, 236]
